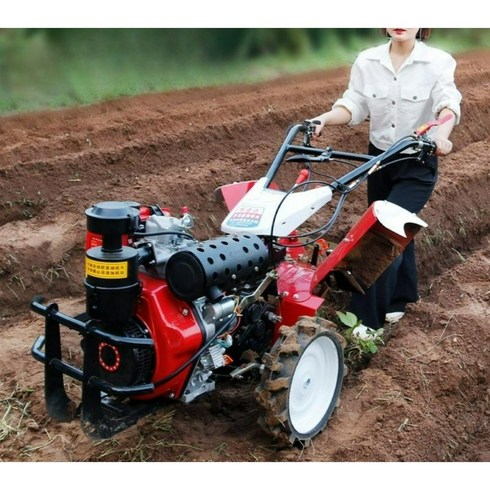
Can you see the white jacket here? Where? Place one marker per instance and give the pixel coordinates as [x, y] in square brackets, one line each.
[398, 103]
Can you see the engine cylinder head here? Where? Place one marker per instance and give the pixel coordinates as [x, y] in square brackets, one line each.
[223, 262]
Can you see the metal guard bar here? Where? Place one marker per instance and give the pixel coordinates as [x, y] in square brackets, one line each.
[88, 329]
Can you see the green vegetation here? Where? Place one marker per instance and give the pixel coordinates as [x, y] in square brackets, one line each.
[359, 349]
[49, 68]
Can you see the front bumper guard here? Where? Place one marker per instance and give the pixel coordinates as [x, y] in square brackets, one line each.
[104, 410]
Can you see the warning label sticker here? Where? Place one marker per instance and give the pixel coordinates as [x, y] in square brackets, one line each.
[106, 270]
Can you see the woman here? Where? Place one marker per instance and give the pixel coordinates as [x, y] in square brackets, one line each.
[398, 86]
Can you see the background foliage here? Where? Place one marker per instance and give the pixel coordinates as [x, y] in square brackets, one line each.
[48, 68]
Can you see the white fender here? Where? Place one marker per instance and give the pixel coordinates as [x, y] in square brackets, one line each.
[395, 217]
[255, 211]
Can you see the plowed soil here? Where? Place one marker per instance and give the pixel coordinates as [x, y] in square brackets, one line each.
[423, 397]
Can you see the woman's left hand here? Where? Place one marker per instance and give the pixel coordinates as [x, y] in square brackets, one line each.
[444, 146]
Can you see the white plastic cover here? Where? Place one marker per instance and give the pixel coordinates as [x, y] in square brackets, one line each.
[255, 211]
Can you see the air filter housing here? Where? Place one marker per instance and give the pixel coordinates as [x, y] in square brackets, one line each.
[111, 270]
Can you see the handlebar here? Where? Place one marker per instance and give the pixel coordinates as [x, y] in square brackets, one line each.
[307, 153]
[308, 127]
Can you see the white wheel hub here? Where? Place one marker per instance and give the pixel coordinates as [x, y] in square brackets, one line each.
[313, 384]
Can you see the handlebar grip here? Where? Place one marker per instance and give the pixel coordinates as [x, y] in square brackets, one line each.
[425, 127]
[445, 119]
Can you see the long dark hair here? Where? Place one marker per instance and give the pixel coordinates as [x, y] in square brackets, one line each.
[423, 34]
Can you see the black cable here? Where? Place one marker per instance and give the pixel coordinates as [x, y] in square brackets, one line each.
[294, 188]
[324, 229]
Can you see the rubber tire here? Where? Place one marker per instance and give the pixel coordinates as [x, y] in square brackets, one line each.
[274, 390]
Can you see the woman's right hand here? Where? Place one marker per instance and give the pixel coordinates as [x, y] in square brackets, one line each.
[318, 123]
[338, 116]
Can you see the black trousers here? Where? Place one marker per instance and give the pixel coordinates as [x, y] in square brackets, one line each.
[409, 184]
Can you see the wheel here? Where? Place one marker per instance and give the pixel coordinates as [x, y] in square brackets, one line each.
[301, 381]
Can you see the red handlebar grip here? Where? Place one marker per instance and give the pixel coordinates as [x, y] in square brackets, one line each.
[425, 127]
[444, 119]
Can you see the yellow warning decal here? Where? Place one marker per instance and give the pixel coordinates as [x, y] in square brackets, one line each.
[106, 270]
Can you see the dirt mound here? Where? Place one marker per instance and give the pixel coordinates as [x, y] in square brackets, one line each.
[423, 397]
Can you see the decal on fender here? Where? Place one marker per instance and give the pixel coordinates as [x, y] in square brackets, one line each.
[246, 217]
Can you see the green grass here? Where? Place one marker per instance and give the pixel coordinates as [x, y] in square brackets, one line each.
[41, 72]
[84, 79]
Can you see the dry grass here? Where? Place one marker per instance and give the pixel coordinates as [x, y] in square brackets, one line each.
[147, 446]
[56, 271]
[13, 414]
